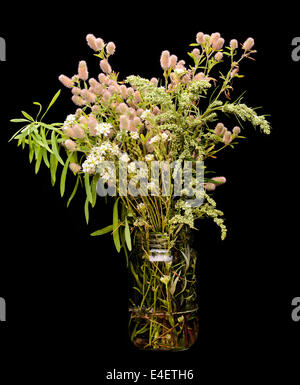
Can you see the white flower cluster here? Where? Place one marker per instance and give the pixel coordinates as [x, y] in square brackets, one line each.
[164, 137]
[134, 135]
[103, 129]
[70, 121]
[97, 155]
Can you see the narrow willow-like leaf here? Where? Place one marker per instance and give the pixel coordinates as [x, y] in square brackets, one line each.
[64, 175]
[127, 235]
[74, 191]
[86, 210]
[55, 149]
[53, 168]
[116, 234]
[94, 189]
[87, 186]
[51, 103]
[39, 159]
[45, 158]
[27, 116]
[40, 109]
[18, 120]
[105, 230]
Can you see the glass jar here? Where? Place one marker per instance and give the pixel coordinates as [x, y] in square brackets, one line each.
[163, 293]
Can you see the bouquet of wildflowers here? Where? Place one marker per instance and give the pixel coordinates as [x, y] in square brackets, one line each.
[144, 143]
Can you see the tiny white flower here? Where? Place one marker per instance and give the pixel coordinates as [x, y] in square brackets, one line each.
[134, 135]
[124, 158]
[149, 157]
[164, 136]
[154, 139]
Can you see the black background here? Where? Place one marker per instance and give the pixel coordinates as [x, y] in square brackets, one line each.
[66, 292]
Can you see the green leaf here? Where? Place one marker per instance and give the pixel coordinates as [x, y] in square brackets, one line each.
[55, 149]
[53, 168]
[127, 235]
[27, 116]
[51, 103]
[39, 159]
[105, 230]
[64, 175]
[88, 187]
[18, 120]
[74, 191]
[86, 210]
[94, 189]
[116, 235]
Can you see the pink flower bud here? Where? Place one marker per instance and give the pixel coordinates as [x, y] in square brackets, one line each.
[78, 100]
[154, 81]
[164, 60]
[137, 121]
[74, 167]
[199, 76]
[173, 61]
[236, 130]
[76, 91]
[219, 130]
[110, 48]
[234, 44]
[99, 44]
[92, 123]
[196, 52]
[83, 71]
[200, 38]
[104, 65]
[219, 180]
[218, 44]
[123, 90]
[209, 186]
[124, 122]
[78, 132]
[103, 78]
[248, 44]
[70, 145]
[122, 108]
[67, 82]
[219, 56]
[88, 96]
[91, 40]
[214, 37]
[227, 138]
[106, 96]
[234, 72]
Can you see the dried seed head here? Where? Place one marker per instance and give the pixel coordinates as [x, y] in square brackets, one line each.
[164, 60]
[227, 138]
[76, 91]
[105, 66]
[248, 44]
[219, 56]
[209, 186]
[70, 144]
[122, 108]
[99, 44]
[236, 130]
[83, 71]
[218, 44]
[200, 38]
[219, 179]
[110, 48]
[234, 44]
[124, 122]
[88, 96]
[67, 82]
[78, 100]
[196, 52]
[173, 61]
[214, 37]
[219, 129]
[91, 40]
[75, 167]
[154, 81]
